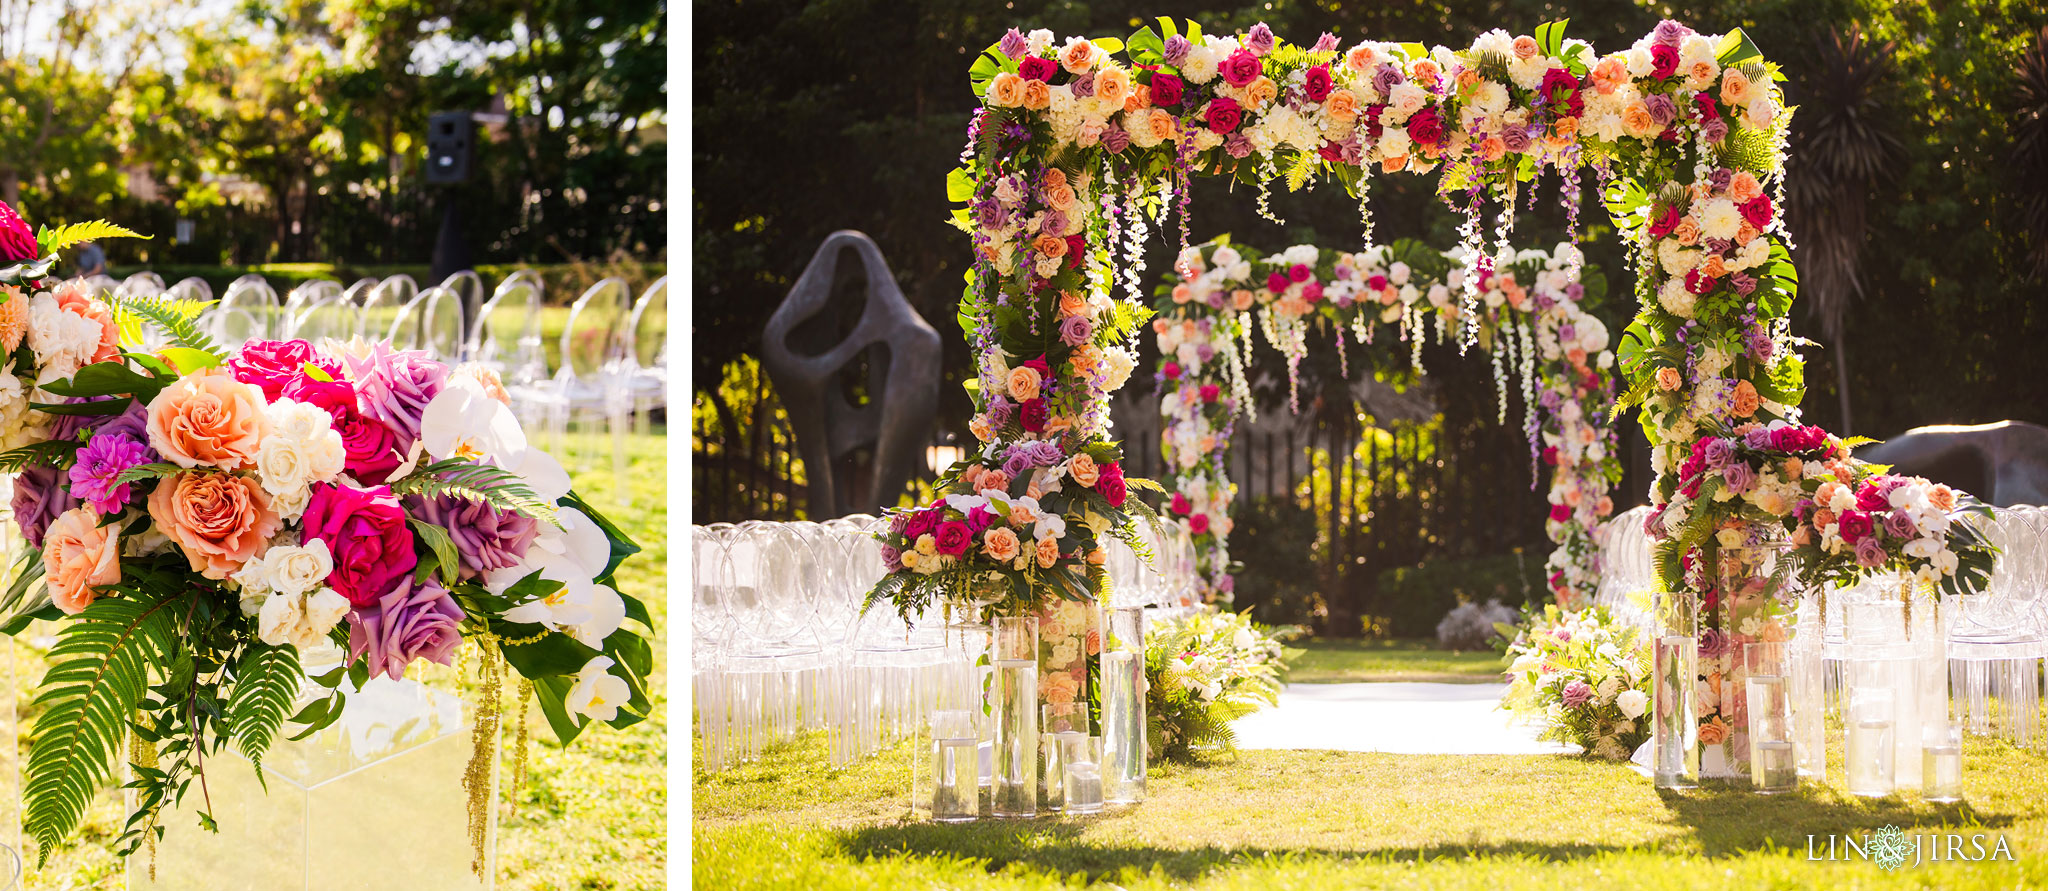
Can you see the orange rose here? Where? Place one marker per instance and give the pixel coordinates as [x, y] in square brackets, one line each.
[13, 317]
[1734, 87]
[1140, 97]
[1823, 518]
[1024, 383]
[1467, 78]
[208, 418]
[219, 520]
[78, 301]
[1362, 58]
[1261, 91]
[1241, 299]
[1182, 293]
[1082, 468]
[1052, 178]
[1743, 187]
[1425, 73]
[1668, 379]
[1565, 127]
[979, 427]
[1113, 85]
[1072, 304]
[79, 554]
[1006, 91]
[1084, 359]
[1942, 497]
[1636, 118]
[1610, 73]
[1061, 197]
[1078, 56]
[1021, 516]
[1745, 233]
[1687, 232]
[1525, 47]
[995, 479]
[1713, 732]
[1341, 106]
[1049, 245]
[1036, 95]
[1048, 553]
[1098, 557]
[1160, 124]
[1389, 165]
[1744, 400]
[1001, 544]
[1492, 148]
[1714, 266]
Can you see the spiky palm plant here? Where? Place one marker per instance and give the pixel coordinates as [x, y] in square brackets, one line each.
[1842, 145]
[2030, 152]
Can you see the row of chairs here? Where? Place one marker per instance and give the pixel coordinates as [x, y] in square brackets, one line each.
[780, 643]
[1996, 640]
[608, 374]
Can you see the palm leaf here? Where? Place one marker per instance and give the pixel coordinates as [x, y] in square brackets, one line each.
[54, 240]
[495, 486]
[99, 672]
[178, 318]
[266, 683]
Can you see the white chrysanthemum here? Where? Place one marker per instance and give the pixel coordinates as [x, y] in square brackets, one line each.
[1696, 48]
[1494, 41]
[1720, 219]
[1489, 98]
[1676, 300]
[1200, 65]
[1528, 73]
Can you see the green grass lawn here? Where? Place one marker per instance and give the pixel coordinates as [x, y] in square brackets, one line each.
[592, 815]
[1287, 819]
[1340, 661]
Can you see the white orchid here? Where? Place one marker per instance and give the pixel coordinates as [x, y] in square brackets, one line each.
[597, 694]
[462, 421]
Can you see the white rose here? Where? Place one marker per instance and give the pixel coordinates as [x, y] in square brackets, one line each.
[302, 620]
[298, 569]
[1632, 703]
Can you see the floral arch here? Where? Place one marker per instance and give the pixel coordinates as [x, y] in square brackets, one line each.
[1393, 297]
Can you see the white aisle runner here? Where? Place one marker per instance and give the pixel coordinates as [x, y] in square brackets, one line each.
[1404, 718]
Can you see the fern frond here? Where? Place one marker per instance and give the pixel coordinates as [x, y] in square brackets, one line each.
[99, 672]
[177, 318]
[266, 683]
[492, 485]
[54, 240]
[57, 453]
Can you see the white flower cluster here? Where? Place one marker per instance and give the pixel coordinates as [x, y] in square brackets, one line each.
[302, 448]
[283, 589]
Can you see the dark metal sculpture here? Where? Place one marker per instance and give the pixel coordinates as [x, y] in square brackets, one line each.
[811, 375]
[2005, 463]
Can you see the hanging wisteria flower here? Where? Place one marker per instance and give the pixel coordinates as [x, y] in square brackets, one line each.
[95, 475]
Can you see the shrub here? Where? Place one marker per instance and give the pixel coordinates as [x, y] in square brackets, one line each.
[1470, 626]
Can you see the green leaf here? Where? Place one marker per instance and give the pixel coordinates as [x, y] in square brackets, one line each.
[1736, 48]
[441, 546]
[81, 409]
[1147, 47]
[107, 379]
[266, 682]
[188, 360]
[959, 186]
[54, 240]
[1550, 36]
[139, 472]
[492, 485]
[99, 671]
[318, 715]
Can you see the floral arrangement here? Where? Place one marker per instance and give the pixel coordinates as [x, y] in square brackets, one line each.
[1541, 329]
[1583, 677]
[1204, 670]
[208, 526]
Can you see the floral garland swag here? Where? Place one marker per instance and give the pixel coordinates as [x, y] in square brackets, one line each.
[1533, 326]
[206, 523]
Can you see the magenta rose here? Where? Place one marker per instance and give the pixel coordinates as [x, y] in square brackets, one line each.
[1300, 272]
[1663, 60]
[1854, 526]
[921, 523]
[1033, 415]
[1872, 496]
[953, 538]
[1426, 127]
[1241, 68]
[1109, 483]
[1317, 84]
[1758, 211]
[16, 241]
[1166, 90]
[365, 531]
[273, 364]
[413, 621]
[1224, 114]
[1209, 392]
[1198, 524]
[1037, 68]
[1276, 281]
[1560, 513]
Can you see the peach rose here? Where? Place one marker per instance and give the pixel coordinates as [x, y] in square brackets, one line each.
[971, 475]
[1078, 56]
[1036, 95]
[1072, 304]
[208, 418]
[1261, 91]
[219, 520]
[1525, 47]
[1048, 553]
[1687, 232]
[1159, 124]
[1713, 732]
[1052, 178]
[1061, 197]
[1021, 516]
[994, 479]
[1241, 299]
[1801, 537]
[1389, 165]
[1794, 468]
[1098, 557]
[1604, 506]
[1082, 468]
[1714, 266]
[1341, 106]
[1744, 400]
[1006, 91]
[13, 317]
[1565, 127]
[1001, 544]
[1140, 97]
[1636, 118]
[1362, 57]
[1742, 187]
[1425, 72]
[492, 384]
[1668, 379]
[1024, 382]
[1942, 497]
[1758, 114]
[1734, 87]
[1745, 233]
[1084, 359]
[1113, 85]
[1612, 72]
[979, 427]
[1492, 148]
[1467, 78]
[1049, 245]
[1702, 73]
[1182, 293]
[79, 554]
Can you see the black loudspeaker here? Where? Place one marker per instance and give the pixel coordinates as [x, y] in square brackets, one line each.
[450, 136]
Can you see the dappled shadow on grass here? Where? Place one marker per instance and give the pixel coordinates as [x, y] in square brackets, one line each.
[1733, 818]
[1056, 847]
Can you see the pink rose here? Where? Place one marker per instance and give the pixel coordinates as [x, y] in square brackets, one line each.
[17, 242]
[954, 537]
[1241, 68]
[1224, 114]
[219, 520]
[79, 554]
[365, 531]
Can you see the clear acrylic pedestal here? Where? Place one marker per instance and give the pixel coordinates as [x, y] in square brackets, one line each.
[373, 801]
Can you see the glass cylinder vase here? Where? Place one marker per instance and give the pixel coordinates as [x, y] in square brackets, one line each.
[1013, 790]
[1773, 766]
[1756, 588]
[1806, 679]
[1123, 707]
[1675, 731]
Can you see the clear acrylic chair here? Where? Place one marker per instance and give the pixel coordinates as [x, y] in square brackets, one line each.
[302, 298]
[248, 311]
[2000, 635]
[468, 288]
[328, 318]
[141, 284]
[383, 301]
[589, 389]
[647, 358]
[505, 333]
[432, 323]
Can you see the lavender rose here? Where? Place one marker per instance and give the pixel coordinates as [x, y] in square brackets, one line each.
[1076, 330]
[1577, 693]
[40, 496]
[395, 387]
[1869, 553]
[486, 538]
[1013, 44]
[1661, 108]
[413, 621]
[1176, 51]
